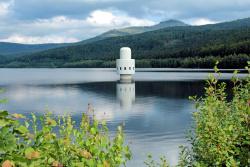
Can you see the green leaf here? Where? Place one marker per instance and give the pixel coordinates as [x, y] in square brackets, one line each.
[93, 131]
[230, 128]
[51, 122]
[4, 113]
[4, 122]
[22, 129]
[28, 152]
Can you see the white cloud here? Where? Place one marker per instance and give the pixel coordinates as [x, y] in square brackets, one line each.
[5, 7]
[17, 38]
[115, 19]
[58, 22]
[202, 21]
[82, 19]
[63, 29]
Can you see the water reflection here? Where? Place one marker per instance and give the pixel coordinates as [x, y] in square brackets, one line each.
[158, 111]
[125, 93]
[156, 114]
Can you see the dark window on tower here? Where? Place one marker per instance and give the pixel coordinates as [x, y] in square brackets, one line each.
[129, 68]
[120, 68]
[124, 68]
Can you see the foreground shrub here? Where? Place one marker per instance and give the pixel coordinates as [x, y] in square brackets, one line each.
[58, 142]
[222, 127]
[221, 132]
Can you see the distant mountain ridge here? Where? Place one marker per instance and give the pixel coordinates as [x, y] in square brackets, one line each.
[7, 48]
[135, 30]
[179, 46]
[142, 29]
[17, 50]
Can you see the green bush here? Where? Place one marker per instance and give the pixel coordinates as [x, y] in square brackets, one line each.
[221, 136]
[57, 142]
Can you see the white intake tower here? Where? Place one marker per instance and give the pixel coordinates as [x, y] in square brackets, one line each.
[125, 65]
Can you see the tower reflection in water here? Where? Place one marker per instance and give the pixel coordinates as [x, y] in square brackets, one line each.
[125, 93]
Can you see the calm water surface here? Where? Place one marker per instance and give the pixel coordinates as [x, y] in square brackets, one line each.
[154, 107]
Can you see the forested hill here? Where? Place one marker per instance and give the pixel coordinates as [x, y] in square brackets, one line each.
[188, 46]
[2, 59]
[16, 49]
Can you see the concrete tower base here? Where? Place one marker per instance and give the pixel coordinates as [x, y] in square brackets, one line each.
[125, 78]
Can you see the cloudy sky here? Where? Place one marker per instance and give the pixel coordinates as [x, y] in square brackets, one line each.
[56, 21]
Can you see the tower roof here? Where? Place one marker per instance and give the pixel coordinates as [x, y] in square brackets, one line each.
[125, 53]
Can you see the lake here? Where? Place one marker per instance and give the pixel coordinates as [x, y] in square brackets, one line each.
[154, 107]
